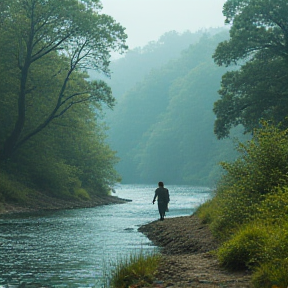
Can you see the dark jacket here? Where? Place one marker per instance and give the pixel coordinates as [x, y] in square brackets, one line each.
[162, 195]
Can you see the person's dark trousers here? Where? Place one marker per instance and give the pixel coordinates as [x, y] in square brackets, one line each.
[162, 206]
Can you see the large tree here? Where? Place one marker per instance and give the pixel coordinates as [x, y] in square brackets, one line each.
[49, 45]
[259, 42]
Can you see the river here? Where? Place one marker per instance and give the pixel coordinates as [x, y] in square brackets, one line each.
[75, 248]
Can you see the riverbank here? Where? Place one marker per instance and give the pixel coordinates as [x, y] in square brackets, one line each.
[41, 201]
[187, 259]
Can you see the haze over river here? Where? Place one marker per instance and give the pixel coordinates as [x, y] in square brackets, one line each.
[74, 248]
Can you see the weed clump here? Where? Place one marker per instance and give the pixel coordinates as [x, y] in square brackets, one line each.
[137, 269]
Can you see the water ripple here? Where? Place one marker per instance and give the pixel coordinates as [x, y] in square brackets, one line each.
[72, 248]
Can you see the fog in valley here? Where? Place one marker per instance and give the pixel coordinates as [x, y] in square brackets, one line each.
[165, 86]
[148, 20]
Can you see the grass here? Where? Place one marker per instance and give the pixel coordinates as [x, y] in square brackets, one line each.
[137, 269]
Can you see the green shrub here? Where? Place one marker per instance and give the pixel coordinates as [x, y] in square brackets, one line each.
[273, 208]
[274, 268]
[259, 170]
[235, 209]
[245, 248]
[273, 274]
[250, 209]
[277, 246]
[262, 164]
[136, 269]
[81, 193]
[11, 190]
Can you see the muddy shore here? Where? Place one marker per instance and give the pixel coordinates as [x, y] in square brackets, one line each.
[187, 247]
[41, 202]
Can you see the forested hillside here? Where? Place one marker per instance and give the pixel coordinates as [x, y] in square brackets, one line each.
[138, 62]
[162, 127]
[52, 139]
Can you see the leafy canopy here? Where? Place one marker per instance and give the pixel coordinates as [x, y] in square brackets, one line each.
[259, 42]
[71, 34]
[257, 26]
[51, 136]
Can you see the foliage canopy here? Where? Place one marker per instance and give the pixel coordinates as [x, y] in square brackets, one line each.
[259, 42]
[51, 134]
[62, 39]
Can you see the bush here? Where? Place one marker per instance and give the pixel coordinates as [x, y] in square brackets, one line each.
[12, 190]
[262, 164]
[274, 267]
[245, 249]
[259, 170]
[236, 208]
[273, 209]
[81, 193]
[273, 274]
[137, 269]
[250, 208]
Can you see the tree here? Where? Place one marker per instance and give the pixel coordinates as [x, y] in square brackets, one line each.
[68, 156]
[69, 36]
[258, 41]
[258, 26]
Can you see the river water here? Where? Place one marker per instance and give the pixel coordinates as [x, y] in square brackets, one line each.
[75, 248]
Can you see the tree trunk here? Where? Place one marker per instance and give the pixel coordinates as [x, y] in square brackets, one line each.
[13, 138]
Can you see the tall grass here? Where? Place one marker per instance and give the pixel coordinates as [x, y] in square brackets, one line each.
[138, 268]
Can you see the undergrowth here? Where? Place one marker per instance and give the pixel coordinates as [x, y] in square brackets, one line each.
[12, 190]
[249, 212]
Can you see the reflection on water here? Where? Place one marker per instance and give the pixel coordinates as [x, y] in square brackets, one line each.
[72, 248]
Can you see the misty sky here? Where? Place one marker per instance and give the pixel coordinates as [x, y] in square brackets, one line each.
[147, 20]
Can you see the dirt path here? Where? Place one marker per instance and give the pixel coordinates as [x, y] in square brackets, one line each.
[187, 259]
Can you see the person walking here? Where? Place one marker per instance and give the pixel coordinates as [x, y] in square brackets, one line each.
[162, 195]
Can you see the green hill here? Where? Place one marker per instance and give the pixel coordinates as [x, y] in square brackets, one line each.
[162, 127]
